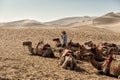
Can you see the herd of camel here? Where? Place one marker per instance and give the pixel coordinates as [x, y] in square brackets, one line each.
[102, 56]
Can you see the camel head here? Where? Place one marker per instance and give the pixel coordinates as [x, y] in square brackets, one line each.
[112, 51]
[56, 39]
[27, 43]
[46, 46]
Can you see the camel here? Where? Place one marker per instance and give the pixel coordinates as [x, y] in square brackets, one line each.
[41, 49]
[79, 54]
[73, 46]
[67, 61]
[58, 42]
[58, 47]
[97, 50]
[109, 67]
[111, 45]
[70, 45]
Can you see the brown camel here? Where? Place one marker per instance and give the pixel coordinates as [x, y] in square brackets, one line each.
[41, 49]
[58, 47]
[67, 61]
[97, 50]
[58, 42]
[109, 67]
[70, 45]
[111, 45]
[79, 54]
[73, 46]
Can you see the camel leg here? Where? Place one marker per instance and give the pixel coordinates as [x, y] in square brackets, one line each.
[64, 65]
[106, 70]
[62, 60]
[52, 54]
[75, 65]
[60, 52]
[72, 65]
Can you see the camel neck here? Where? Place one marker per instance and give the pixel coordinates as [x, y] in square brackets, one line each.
[31, 50]
[95, 63]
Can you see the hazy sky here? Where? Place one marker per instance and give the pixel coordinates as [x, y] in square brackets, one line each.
[48, 10]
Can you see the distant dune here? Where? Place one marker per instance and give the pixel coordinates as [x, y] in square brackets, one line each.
[110, 18]
[71, 21]
[23, 23]
[110, 21]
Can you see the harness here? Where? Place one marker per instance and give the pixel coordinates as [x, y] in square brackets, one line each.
[109, 60]
[68, 53]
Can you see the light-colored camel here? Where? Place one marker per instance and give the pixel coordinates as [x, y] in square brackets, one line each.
[67, 61]
[41, 49]
[109, 67]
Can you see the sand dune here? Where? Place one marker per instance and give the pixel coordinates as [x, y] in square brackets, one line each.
[23, 23]
[110, 18]
[110, 21]
[71, 21]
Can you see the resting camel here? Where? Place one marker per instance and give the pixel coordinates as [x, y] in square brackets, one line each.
[70, 45]
[67, 60]
[58, 47]
[41, 49]
[73, 46]
[58, 42]
[111, 45]
[109, 67]
[97, 50]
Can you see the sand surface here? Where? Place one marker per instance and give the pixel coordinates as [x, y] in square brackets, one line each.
[17, 64]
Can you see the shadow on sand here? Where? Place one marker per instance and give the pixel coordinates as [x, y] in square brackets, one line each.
[102, 74]
[78, 69]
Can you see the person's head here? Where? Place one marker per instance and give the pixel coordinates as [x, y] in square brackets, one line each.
[63, 32]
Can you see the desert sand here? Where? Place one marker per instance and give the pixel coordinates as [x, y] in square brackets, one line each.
[17, 64]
